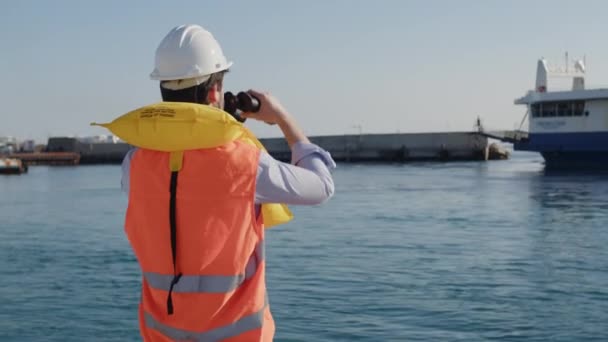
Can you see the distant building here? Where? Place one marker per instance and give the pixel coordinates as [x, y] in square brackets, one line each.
[62, 144]
[98, 139]
[8, 145]
[28, 146]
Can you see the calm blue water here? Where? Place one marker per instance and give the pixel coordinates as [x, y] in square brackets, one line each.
[416, 252]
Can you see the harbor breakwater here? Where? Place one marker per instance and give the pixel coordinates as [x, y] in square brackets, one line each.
[399, 147]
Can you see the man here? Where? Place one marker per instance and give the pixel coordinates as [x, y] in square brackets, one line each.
[206, 280]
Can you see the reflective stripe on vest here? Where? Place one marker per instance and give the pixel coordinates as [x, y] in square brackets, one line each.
[247, 323]
[208, 283]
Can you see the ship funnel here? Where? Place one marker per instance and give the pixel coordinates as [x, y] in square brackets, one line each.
[541, 76]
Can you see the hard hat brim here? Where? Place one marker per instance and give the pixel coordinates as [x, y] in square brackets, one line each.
[157, 77]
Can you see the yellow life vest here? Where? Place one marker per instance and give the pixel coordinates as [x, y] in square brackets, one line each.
[178, 126]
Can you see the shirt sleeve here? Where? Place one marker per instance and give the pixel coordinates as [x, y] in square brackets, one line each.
[307, 181]
[126, 171]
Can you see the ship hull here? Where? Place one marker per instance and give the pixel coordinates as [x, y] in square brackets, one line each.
[569, 150]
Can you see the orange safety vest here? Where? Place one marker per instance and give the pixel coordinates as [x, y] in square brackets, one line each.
[199, 245]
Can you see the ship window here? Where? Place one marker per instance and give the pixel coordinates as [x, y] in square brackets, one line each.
[535, 110]
[579, 108]
[563, 108]
[548, 109]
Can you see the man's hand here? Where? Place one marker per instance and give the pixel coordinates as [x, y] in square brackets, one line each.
[271, 111]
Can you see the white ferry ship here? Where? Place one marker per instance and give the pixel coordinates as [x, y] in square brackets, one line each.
[569, 128]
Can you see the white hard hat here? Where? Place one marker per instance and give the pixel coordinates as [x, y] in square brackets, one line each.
[188, 51]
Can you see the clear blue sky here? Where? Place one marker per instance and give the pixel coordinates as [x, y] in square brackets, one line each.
[388, 66]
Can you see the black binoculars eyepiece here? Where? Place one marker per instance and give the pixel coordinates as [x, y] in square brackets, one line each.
[242, 102]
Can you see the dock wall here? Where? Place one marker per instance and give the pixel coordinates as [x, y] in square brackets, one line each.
[346, 148]
[393, 147]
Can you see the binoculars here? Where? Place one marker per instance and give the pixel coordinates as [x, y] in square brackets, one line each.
[239, 103]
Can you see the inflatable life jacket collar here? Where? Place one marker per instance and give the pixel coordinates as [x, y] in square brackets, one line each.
[176, 127]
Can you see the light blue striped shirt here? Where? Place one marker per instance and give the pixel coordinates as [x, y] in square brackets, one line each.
[306, 181]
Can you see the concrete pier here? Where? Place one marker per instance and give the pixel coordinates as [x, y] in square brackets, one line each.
[48, 158]
[401, 147]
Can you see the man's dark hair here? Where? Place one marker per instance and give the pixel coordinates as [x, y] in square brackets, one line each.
[196, 94]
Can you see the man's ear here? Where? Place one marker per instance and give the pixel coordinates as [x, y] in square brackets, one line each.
[213, 96]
